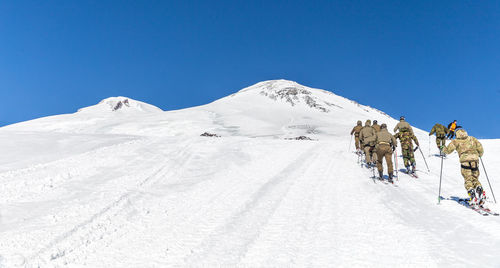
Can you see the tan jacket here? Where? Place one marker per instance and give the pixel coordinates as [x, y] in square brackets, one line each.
[367, 135]
[356, 130]
[402, 125]
[384, 137]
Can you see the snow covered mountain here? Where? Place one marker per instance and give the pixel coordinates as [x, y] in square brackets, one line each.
[123, 183]
[276, 108]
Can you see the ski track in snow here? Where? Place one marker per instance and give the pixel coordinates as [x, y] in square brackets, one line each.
[109, 219]
[291, 213]
[243, 228]
[21, 184]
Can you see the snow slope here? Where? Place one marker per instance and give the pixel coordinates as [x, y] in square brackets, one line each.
[139, 187]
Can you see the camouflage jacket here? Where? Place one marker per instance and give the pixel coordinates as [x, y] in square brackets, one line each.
[468, 148]
[376, 127]
[440, 130]
[406, 138]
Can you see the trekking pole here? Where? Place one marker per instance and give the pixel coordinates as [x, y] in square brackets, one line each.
[428, 170]
[488, 180]
[440, 178]
[429, 146]
[396, 162]
[350, 144]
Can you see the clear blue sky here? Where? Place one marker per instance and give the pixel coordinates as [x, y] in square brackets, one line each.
[432, 61]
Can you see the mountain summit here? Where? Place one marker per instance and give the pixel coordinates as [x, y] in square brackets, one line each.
[293, 93]
[122, 104]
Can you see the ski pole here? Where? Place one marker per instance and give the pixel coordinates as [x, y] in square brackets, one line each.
[429, 146]
[428, 170]
[440, 178]
[488, 180]
[396, 162]
[350, 144]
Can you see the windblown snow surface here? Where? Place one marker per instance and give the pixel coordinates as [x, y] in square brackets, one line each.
[128, 185]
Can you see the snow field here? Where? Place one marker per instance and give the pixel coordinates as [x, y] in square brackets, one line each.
[240, 201]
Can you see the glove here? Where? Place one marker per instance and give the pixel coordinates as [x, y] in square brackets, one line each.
[416, 148]
[393, 148]
[441, 147]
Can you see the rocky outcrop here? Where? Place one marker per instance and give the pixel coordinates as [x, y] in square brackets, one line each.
[300, 138]
[206, 134]
[295, 94]
[121, 104]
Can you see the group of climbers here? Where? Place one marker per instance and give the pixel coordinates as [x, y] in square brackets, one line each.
[365, 140]
[378, 144]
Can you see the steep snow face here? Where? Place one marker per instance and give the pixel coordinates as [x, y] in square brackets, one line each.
[281, 108]
[295, 94]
